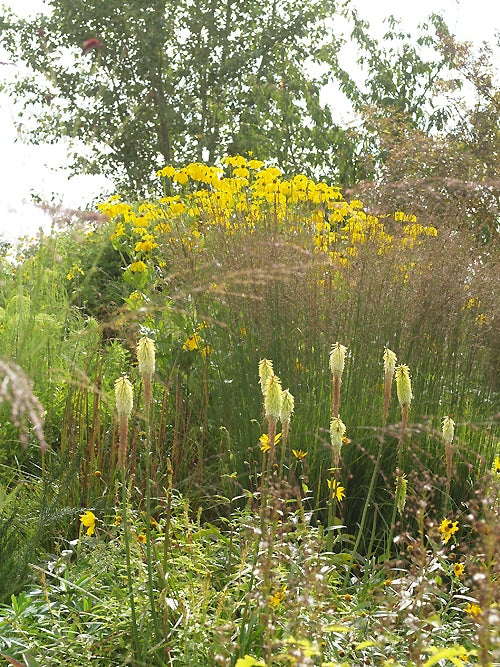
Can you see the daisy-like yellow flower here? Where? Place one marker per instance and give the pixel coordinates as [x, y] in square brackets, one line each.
[299, 454]
[496, 465]
[88, 520]
[192, 343]
[336, 489]
[458, 569]
[265, 445]
[473, 609]
[141, 538]
[277, 597]
[447, 528]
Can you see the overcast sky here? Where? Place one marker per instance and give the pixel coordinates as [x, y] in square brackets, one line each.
[27, 170]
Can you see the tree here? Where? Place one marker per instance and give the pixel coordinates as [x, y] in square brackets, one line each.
[137, 84]
[447, 177]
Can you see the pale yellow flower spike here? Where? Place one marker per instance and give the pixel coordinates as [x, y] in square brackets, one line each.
[273, 398]
[124, 396]
[403, 385]
[390, 360]
[337, 359]
[146, 356]
[448, 429]
[287, 406]
[265, 373]
[337, 432]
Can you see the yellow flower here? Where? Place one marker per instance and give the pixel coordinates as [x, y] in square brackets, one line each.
[447, 528]
[88, 521]
[458, 569]
[192, 343]
[166, 172]
[118, 520]
[336, 489]
[138, 267]
[473, 609]
[141, 538]
[265, 445]
[249, 661]
[299, 454]
[496, 465]
[277, 597]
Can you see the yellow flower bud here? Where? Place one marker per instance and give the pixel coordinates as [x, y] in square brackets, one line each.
[265, 373]
[403, 385]
[146, 356]
[287, 405]
[448, 429]
[337, 431]
[401, 488]
[273, 397]
[124, 396]
[390, 360]
[337, 359]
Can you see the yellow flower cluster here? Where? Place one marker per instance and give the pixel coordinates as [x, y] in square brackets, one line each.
[245, 195]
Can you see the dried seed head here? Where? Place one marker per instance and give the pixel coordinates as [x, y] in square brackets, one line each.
[403, 385]
[265, 372]
[390, 360]
[124, 396]
[273, 397]
[337, 359]
[448, 430]
[146, 356]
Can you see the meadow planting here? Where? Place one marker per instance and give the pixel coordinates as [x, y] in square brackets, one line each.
[249, 422]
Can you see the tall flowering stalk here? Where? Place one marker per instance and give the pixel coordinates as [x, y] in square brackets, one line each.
[287, 407]
[404, 391]
[337, 363]
[146, 359]
[448, 429]
[124, 403]
[390, 360]
[337, 433]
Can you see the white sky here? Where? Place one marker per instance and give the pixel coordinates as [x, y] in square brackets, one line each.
[26, 170]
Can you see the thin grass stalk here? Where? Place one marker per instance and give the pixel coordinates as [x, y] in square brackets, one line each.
[168, 514]
[126, 540]
[363, 515]
[147, 417]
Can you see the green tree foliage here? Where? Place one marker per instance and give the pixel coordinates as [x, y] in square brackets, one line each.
[401, 72]
[169, 82]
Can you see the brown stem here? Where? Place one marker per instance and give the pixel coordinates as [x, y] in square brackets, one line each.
[122, 441]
